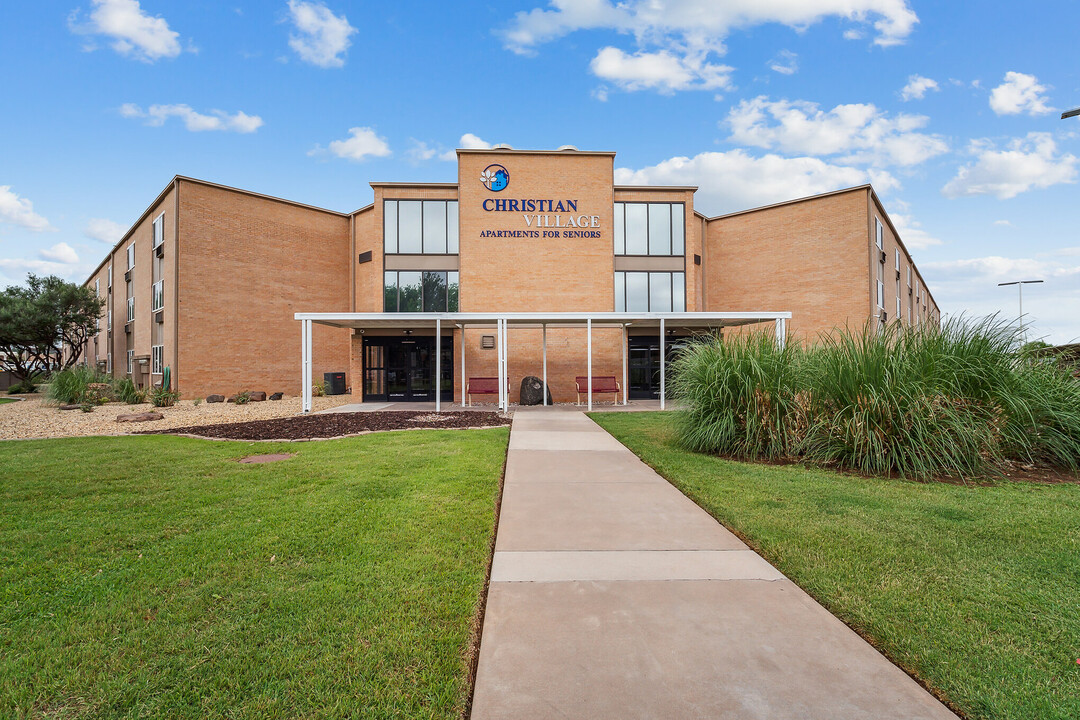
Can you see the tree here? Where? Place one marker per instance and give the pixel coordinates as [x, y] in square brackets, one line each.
[42, 319]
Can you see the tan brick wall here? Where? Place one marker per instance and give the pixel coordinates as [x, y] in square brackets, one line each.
[247, 264]
[810, 258]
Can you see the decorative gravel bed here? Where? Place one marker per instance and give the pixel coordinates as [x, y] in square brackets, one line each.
[337, 424]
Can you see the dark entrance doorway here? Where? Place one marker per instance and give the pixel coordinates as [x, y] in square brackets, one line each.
[643, 363]
[403, 369]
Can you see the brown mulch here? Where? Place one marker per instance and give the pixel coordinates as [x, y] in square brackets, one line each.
[330, 425]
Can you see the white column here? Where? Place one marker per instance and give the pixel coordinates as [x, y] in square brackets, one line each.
[545, 390]
[663, 366]
[303, 367]
[462, 351]
[506, 363]
[438, 365]
[781, 332]
[625, 371]
[588, 373]
[307, 366]
[499, 358]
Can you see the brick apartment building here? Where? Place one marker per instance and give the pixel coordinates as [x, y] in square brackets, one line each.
[208, 281]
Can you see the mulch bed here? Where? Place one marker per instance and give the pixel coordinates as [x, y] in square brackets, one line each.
[329, 425]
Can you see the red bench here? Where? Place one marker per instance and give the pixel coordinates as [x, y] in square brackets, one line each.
[483, 386]
[600, 384]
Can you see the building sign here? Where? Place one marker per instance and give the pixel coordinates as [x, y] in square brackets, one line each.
[495, 178]
[542, 217]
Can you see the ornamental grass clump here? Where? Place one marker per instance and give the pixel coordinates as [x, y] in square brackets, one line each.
[71, 386]
[956, 399]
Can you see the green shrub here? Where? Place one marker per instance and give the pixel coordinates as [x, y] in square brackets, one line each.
[126, 392]
[242, 397]
[163, 397]
[24, 387]
[197, 402]
[70, 387]
[318, 388]
[954, 399]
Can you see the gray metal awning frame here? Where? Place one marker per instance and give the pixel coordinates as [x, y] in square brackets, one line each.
[502, 322]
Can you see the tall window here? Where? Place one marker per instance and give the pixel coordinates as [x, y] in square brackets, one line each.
[414, 227]
[130, 361]
[159, 229]
[131, 256]
[416, 291]
[880, 266]
[650, 292]
[156, 352]
[650, 229]
[898, 313]
[157, 299]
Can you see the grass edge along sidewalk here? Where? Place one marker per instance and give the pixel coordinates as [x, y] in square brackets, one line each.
[157, 576]
[974, 590]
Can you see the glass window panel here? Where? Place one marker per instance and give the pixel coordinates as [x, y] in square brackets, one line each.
[659, 292]
[637, 229]
[390, 294]
[660, 229]
[637, 292]
[678, 292]
[620, 229]
[678, 229]
[452, 291]
[410, 225]
[390, 226]
[435, 227]
[620, 292]
[435, 292]
[452, 227]
[409, 292]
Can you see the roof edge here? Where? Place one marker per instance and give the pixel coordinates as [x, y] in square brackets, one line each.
[792, 202]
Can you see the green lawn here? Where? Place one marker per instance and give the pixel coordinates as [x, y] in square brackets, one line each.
[157, 577]
[6, 400]
[975, 590]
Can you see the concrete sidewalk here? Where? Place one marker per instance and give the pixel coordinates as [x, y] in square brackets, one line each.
[614, 596]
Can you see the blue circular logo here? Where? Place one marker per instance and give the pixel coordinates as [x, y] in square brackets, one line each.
[495, 178]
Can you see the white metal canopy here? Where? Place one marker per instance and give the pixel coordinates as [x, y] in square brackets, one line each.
[502, 322]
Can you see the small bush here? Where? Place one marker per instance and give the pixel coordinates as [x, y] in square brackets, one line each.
[197, 402]
[954, 399]
[87, 407]
[24, 387]
[242, 397]
[318, 389]
[126, 392]
[163, 397]
[70, 387]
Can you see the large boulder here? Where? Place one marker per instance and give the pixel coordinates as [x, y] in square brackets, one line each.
[215, 398]
[256, 397]
[532, 391]
[139, 417]
[277, 396]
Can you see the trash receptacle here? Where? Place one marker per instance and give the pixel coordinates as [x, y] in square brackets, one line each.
[334, 382]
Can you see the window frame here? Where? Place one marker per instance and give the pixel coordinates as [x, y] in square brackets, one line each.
[157, 359]
[451, 221]
[677, 290]
[157, 296]
[453, 281]
[131, 256]
[619, 234]
[131, 362]
[158, 230]
[131, 308]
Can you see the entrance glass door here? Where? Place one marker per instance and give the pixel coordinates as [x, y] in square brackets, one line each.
[403, 369]
[644, 365]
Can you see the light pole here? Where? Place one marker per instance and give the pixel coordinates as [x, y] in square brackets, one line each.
[1070, 113]
[1020, 287]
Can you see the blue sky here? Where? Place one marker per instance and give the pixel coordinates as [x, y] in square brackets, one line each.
[952, 110]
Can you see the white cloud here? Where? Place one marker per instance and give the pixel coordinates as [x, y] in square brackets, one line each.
[853, 34]
[971, 285]
[661, 71]
[675, 38]
[1019, 93]
[861, 133]
[911, 232]
[103, 230]
[1003, 223]
[19, 211]
[61, 253]
[156, 115]
[736, 180]
[916, 88]
[700, 24]
[134, 33]
[362, 143]
[785, 63]
[1029, 162]
[469, 141]
[420, 151]
[322, 37]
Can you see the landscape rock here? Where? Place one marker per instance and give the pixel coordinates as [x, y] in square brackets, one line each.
[532, 391]
[70, 407]
[139, 417]
[257, 397]
[215, 398]
[277, 396]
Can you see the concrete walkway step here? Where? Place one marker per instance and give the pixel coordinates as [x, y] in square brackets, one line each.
[614, 596]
